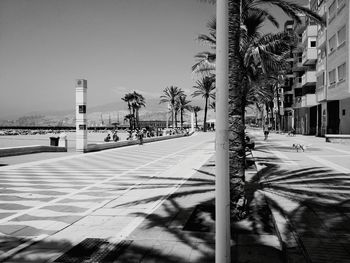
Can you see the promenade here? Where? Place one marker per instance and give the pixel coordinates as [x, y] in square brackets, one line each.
[154, 203]
[49, 206]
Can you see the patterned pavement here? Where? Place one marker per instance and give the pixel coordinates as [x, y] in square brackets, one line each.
[44, 198]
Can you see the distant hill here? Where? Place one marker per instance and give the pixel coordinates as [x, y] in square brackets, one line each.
[106, 113]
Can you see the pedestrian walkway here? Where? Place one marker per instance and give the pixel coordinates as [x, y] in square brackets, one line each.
[308, 193]
[47, 207]
[151, 203]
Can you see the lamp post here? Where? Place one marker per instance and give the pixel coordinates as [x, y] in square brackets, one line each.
[222, 182]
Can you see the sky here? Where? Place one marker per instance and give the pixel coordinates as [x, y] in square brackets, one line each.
[117, 45]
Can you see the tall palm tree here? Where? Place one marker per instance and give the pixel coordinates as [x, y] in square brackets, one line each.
[129, 117]
[170, 96]
[128, 98]
[196, 109]
[240, 25]
[183, 105]
[138, 102]
[205, 88]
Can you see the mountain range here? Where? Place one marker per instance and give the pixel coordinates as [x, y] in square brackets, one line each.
[97, 115]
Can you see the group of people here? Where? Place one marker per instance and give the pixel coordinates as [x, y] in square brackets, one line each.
[268, 127]
[114, 137]
[138, 134]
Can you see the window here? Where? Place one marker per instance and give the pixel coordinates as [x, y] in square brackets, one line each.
[341, 72]
[341, 36]
[332, 43]
[313, 43]
[331, 10]
[332, 77]
[343, 112]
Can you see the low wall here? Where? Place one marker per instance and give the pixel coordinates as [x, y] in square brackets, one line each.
[12, 151]
[111, 145]
[338, 138]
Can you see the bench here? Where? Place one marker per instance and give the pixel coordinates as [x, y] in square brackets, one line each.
[338, 138]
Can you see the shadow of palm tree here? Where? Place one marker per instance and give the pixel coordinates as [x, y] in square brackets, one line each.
[311, 207]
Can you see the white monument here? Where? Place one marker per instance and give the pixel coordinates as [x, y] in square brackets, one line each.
[192, 121]
[80, 113]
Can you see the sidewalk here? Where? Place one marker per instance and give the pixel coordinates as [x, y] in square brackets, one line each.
[309, 201]
[180, 229]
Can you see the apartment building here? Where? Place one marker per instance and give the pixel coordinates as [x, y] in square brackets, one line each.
[335, 102]
[319, 86]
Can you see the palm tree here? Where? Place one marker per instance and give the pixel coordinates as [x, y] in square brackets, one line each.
[128, 98]
[205, 88]
[170, 96]
[130, 118]
[137, 103]
[245, 17]
[183, 105]
[196, 109]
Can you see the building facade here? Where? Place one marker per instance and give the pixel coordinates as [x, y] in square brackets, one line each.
[319, 87]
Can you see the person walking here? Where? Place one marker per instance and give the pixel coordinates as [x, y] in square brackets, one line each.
[140, 136]
[115, 136]
[266, 131]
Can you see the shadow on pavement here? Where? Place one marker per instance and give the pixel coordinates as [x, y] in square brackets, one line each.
[312, 208]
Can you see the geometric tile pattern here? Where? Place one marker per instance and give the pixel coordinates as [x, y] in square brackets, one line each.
[39, 199]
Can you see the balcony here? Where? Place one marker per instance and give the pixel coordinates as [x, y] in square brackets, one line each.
[310, 31]
[308, 79]
[309, 56]
[308, 100]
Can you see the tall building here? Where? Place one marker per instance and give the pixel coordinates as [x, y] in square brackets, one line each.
[337, 93]
[321, 72]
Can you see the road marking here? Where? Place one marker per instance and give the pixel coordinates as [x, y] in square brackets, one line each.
[330, 164]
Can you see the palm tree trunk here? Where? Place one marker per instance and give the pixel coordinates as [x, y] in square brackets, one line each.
[175, 119]
[173, 116]
[236, 111]
[195, 115]
[205, 115]
[129, 107]
[137, 118]
[133, 118]
[181, 118]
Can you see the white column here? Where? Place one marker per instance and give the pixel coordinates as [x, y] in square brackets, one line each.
[80, 113]
[222, 182]
[192, 121]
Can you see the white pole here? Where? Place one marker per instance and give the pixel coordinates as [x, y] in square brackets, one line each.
[222, 182]
[192, 121]
[80, 109]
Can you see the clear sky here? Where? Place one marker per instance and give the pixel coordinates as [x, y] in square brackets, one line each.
[117, 45]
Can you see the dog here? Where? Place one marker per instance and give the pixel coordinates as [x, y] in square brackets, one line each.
[299, 146]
